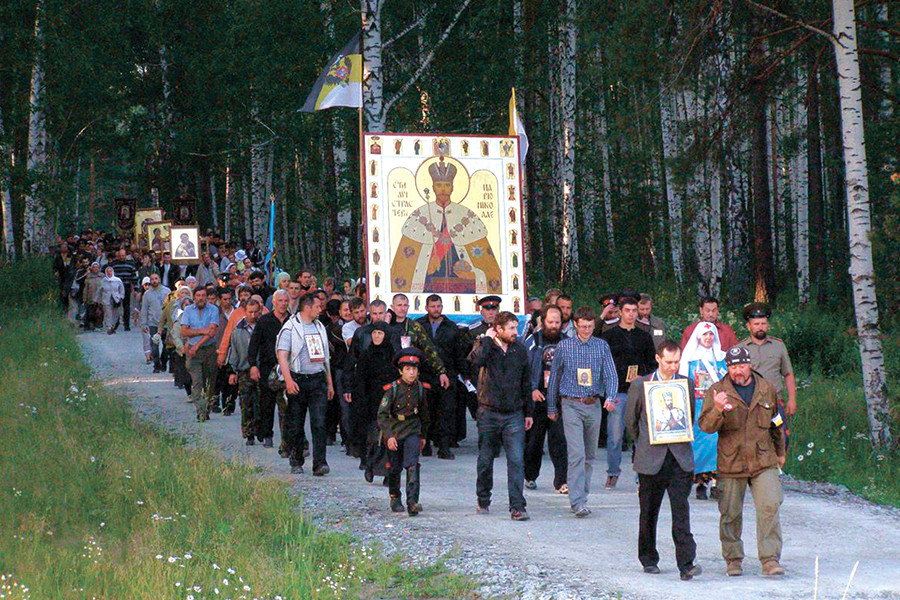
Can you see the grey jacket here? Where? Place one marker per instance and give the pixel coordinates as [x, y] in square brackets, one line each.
[240, 342]
[152, 305]
[648, 459]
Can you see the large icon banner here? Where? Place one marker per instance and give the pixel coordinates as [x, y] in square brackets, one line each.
[443, 215]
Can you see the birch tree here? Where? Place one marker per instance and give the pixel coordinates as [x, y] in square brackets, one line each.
[673, 196]
[569, 250]
[9, 242]
[859, 221]
[34, 238]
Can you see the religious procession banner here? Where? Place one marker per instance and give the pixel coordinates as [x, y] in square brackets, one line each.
[443, 215]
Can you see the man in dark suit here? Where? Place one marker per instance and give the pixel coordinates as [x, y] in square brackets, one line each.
[662, 468]
[168, 272]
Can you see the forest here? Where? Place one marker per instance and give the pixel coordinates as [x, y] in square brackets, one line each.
[744, 149]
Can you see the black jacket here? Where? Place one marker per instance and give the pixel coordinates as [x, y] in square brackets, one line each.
[450, 345]
[362, 339]
[504, 378]
[261, 352]
[630, 347]
[376, 369]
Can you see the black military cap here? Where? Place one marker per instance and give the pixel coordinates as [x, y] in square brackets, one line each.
[629, 293]
[489, 302]
[757, 310]
[737, 355]
[409, 356]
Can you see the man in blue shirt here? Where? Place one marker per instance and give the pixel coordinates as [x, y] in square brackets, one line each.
[198, 328]
[582, 376]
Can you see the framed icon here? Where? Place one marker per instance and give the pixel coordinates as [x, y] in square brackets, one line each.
[668, 409]
[185, 242]
[160, 234]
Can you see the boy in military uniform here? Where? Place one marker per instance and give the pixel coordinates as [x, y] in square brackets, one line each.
[403, 420]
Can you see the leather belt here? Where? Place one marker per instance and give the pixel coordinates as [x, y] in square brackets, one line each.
[589, 400]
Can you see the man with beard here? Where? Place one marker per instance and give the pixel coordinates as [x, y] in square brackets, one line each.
[742, 409]
[769, 357]
[446, 337]
[567, 327]
[256, 280]
[505, 411]
[541, 346]
[198, 329]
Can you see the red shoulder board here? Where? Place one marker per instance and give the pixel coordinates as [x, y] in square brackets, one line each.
[427, 386]
[387, 386]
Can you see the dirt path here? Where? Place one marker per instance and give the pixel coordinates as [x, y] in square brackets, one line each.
[553, 555]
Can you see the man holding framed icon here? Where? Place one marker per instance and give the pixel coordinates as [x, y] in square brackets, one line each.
[659, 416]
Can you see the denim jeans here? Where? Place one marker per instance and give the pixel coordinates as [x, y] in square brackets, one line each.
[615, 431]
[495, 430]
[312, 396]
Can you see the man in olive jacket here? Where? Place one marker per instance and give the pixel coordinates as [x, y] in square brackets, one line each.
[742, 408]
[661, 469]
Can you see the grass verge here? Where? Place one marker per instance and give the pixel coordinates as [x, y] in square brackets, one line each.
[96, 504]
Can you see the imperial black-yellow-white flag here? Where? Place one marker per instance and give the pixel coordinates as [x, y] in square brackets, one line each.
[340, 84]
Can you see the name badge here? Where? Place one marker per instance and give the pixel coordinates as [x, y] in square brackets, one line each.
[657, 332]
[405, 341]
[585, 378]
[777, 421]
[632, 373]
[401, 418]
[315, 348]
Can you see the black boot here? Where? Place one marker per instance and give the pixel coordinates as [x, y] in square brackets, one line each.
[396, 504]
[412, 491]
[426, 451]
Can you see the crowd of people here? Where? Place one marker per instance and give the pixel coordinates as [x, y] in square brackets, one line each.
[390, 388]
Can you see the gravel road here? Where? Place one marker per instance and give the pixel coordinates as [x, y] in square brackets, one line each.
[553, 555]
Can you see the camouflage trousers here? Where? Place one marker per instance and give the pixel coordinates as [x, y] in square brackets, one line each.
[249, 393]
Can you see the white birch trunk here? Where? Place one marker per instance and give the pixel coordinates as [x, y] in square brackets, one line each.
[717, 251]
[556, 143]
[268, 197]
[603, 141]
[673, 195]
[373, 84]
[9, 242]
[245, 197]
[859, 221]
[781, 222]
[569, 255]
[258, 192]
[34, 238]
[800, 193]
[229, 201]
[214, 202]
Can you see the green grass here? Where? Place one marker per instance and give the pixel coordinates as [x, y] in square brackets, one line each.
[96, 504]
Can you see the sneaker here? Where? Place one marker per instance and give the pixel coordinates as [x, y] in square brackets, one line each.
[733, 568]
[518, 515]
[250, 442]
[581, 512]
[321, 471]
[296, 469]
[611, 482]
[396, 505]
[691, 573]
[772, 568]
[445, 454]
[651, 569]
[413, 508]
[701, 492]
[563, 489]
[267, 442]
[483, 510]
[530, 484]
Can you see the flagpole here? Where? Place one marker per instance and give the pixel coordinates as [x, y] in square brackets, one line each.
[364, 259]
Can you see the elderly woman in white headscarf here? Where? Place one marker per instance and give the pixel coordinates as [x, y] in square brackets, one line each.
[110, 295]
[703, 361]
